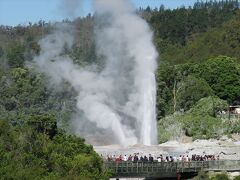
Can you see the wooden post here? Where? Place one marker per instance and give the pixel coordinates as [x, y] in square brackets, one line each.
[137, 167]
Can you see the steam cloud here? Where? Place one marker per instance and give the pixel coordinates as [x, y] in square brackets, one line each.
[116, 105]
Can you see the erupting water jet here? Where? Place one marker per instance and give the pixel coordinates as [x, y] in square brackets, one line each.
[117, 104]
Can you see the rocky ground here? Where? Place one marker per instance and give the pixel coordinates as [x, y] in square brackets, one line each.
[226, 148]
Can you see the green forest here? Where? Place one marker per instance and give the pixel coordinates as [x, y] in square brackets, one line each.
[197, 78]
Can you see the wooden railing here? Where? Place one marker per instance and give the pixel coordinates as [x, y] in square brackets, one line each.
[224, 165]
[167, 169]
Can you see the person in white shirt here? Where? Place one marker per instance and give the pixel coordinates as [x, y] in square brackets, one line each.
[125, 158]
[174, 159]
[180, 158]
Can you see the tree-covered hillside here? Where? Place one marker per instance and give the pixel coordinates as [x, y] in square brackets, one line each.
[199, 65]
[199, 58]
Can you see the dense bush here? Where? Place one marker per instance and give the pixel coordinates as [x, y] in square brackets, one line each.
[222, 176]
[24, 150]
[214, 176]
[181, 86]
[200, 122]
[237, 178]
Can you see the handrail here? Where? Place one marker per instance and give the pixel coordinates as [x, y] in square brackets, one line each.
[153, 167]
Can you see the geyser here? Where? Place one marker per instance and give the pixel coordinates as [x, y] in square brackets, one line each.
[117, 104]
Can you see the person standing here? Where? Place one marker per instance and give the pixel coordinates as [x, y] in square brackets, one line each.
[150, 158]
[125, 158]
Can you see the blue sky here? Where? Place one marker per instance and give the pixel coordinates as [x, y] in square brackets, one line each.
[14, 12]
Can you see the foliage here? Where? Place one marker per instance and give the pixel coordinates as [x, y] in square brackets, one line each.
[169, 128]
[233, 127]
[200, 122]
[15, 55]
[43, 124]
[1, 52]
[176, 84]
[222, 74]
[209, 106]
[197, 33]
[185, 96]
[176, 25]
[217, 41]
[208, 176]
[237, 178]
[165, 78]
[25, 93]
[23, 150]
[222, 176]
[201, 127]
[202, 175]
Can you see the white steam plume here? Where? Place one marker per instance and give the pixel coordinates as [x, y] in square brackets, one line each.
[116, 105]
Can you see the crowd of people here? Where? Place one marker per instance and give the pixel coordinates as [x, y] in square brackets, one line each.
[150, 159]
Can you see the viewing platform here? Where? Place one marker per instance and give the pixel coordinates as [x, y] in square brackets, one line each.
[169, 169]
